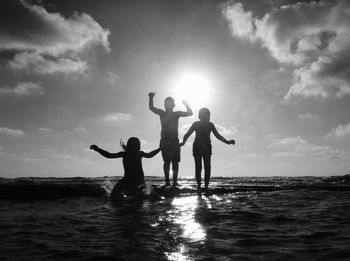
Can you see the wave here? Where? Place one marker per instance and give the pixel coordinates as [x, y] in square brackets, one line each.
[49, 188]
[26, 189]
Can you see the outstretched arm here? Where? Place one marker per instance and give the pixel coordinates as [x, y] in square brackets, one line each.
[188, 111]
[150, 154]
[187, 135]
[151, 105]
[107, 154]
[219, 137]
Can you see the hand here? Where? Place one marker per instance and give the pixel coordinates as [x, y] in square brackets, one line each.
[151, 94]
[94, 147]
[184, 102]
[232, 142]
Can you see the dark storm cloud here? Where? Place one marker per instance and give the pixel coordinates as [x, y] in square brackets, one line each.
[47, 40]
[312, 36]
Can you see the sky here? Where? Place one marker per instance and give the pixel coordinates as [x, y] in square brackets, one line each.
[275, 75]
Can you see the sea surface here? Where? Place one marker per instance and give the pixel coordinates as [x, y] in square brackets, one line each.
[272, 218]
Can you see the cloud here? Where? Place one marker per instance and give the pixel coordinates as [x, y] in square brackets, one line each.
[284, 154]
[112, 77]
[339, 131]
[325, 77]
[222, 130]
[241, 22]
[77, 130]
[298, 146]
[40, 38]
[226, 132]
[289, 141]
[313, 37]
[46, 130]
[23, 89]
[308, 116]
[11, 132]
[80, 129]
[40, 64]
[252, 156]
[116, 117]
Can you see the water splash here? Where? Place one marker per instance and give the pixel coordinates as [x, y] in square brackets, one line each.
[107, 185]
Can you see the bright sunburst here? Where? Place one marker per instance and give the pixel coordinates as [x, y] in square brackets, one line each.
[192, 87]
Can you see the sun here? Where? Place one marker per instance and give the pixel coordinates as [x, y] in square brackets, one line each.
[192, 87]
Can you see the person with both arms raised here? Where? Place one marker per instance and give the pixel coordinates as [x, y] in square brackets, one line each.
[169, 141]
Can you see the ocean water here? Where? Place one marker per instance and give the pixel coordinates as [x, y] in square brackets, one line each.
[276, 218]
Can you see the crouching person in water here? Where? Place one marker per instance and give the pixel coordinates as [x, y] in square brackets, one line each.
[202, 146]
[133, 179]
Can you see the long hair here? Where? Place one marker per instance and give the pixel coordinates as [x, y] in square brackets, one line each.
[133, 145]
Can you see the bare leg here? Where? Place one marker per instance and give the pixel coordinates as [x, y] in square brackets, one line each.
[166, 167]
[198, 170]
[175, 166]
[207, 170]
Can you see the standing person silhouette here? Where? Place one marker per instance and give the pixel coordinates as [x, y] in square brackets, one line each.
[202, 146]
[169, 141]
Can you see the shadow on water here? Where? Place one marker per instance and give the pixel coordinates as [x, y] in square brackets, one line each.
[129, 233]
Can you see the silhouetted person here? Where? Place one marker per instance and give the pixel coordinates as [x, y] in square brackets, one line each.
[202, 146]
[133, 172]
[169, 141]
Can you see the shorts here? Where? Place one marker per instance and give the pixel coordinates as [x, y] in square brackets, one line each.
[201, 149]
[170, 148]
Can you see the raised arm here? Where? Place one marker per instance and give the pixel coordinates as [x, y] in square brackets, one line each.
[219, 137]
[188, 111]
[187, 135]
[151, 105]
[107, 154]
[150, 154]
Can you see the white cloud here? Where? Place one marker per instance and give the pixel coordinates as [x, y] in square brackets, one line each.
[324, 77]
[40, 64]
[339, 131]
[48, 42]
[284, 154]
[298, 146]
[24, 88]
[77, 130]
[116, 117]
[112, 77]
[11, 132]
[227, 132]
[290, 141]
[252, 156]
[312, 37]
[308, 116]
[241, 22]
[45, 130]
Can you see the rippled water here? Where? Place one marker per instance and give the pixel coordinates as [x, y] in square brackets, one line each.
[289, 224]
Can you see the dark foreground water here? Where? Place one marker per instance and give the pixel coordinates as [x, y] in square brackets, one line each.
[246, 219]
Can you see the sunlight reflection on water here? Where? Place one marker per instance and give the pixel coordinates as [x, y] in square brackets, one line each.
[183, 214]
